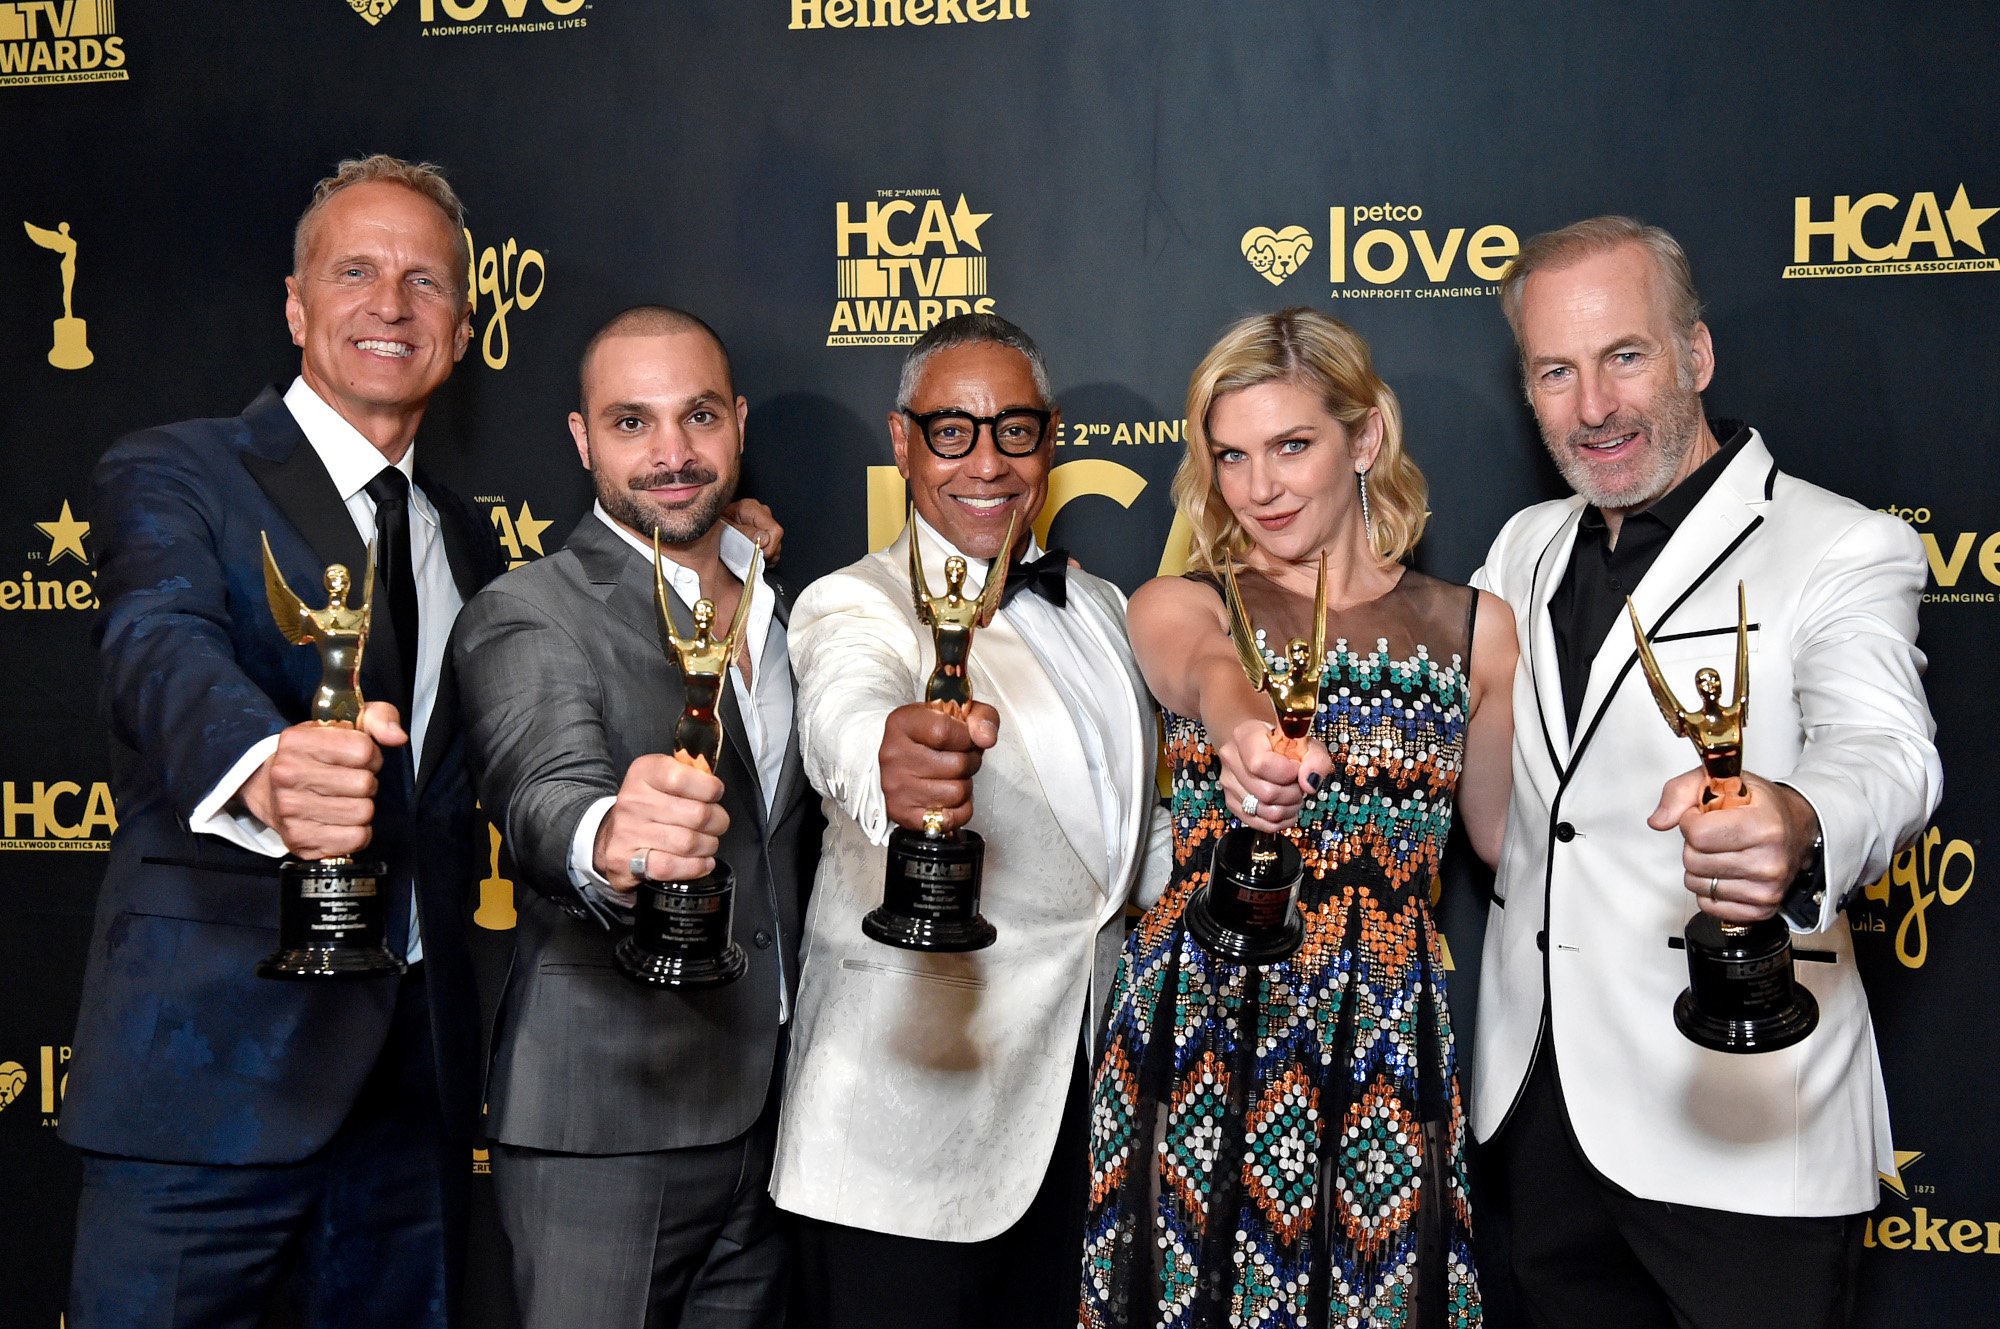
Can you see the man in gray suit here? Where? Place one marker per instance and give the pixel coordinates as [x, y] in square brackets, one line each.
[631, 1127]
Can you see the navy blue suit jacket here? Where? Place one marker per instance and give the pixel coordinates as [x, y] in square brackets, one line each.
[183, 1054]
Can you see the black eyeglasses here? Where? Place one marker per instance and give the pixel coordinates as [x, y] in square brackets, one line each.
[953, 433]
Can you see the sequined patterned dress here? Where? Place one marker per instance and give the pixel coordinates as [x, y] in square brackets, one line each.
[1285, 1146]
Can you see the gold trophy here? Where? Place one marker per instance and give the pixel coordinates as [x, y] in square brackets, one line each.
[680, 934]
[930, 888]
[71, 349]
[1742, 995]
[1248, 909]
[330, 922]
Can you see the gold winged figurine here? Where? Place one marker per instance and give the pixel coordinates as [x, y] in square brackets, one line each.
[339, 633]
[1293, 687]
[1715, 729]
[704, 661]
[953, 616]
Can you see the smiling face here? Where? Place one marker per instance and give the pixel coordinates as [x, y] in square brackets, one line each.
[969, 500]
[1617, 399]
[662, 433]
[378, 310]
[1286, 468]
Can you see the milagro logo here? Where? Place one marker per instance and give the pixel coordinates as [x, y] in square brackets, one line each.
[1396, 251]
[500, 280]
[1886, 235]
[1929, 872]
[60, 41]
[903, 263]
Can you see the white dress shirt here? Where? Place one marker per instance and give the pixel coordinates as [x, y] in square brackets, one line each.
[353, 461]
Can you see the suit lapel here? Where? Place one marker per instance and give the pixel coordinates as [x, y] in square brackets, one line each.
[1551, 715]
[1007, 673]
[791, 774]
[467, 574]
[1726, 515]
[292, 476]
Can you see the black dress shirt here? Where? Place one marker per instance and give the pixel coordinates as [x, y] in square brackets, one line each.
[1591, 596]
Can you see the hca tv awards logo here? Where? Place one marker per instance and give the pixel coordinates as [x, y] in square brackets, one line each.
[60, 41]
[1882, 235]
[471, 18]
[1387, 251]
[904, 263]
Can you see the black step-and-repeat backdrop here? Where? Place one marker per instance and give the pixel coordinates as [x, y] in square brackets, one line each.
[821, 179]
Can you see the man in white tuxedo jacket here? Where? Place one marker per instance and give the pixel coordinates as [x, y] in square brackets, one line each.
[1648, 1181]
[934, 1122]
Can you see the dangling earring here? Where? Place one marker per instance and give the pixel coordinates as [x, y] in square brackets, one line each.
[1367, 519]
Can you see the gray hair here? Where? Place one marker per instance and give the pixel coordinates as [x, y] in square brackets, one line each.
[380, 168]
[1592, 236]
[970, 330]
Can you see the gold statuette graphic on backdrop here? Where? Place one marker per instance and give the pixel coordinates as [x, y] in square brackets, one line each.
[1248, 910]
[1742, 995]
[70, 350]
[680, 934]
[930, 887]
[330, 922]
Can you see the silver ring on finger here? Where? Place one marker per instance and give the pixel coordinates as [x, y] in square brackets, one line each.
[638, 863]
[1250, 805]
[1713, 893]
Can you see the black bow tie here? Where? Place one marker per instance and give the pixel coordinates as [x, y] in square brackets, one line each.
[1045, 576]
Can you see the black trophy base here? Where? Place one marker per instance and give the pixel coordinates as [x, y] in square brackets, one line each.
[1248, 910]
[681, 934]
[1742, 996]
[930, 894]
[330, 922]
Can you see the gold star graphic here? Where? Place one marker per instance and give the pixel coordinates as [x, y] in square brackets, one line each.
[528, 529]
[65, 536]
[1895, 1182]
[1966, 220]
[967, 223]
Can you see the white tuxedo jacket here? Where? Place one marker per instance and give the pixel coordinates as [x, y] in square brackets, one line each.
[924, 1091]
[1590, 904]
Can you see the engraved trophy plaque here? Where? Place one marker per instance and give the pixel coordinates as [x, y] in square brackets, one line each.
[680, 934]
[1742, 996]
[930, 888]
[1248, 909]
[330, 922]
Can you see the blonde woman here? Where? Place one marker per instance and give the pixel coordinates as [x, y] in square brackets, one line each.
[1284, 1145]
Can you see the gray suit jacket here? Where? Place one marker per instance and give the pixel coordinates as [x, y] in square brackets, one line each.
[565, 683]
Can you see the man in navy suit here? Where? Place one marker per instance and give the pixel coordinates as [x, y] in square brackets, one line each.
[240, 1134]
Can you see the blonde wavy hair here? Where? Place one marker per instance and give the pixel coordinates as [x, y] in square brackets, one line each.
[1325, 357]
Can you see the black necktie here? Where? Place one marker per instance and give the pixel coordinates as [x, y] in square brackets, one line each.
[1045, 576]
[391, 491]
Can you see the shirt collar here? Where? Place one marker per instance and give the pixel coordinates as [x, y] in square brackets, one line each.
[936, 549]
[736, 551]
[1672, 508]
[349, 458]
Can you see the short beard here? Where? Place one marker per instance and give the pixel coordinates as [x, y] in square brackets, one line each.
[1672, 429]
[675, 526]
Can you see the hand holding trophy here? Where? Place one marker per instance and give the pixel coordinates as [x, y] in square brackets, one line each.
[330, 922]
[681, 929]
[1248, 910]
[930, 891]
[1742, 995]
